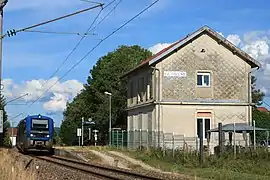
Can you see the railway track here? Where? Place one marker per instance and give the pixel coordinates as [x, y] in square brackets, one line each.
[96, 170]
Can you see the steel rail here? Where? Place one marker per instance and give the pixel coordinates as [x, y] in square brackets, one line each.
[112, 173]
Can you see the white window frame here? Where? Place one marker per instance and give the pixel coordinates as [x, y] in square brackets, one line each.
[203, 119]
[203, 74]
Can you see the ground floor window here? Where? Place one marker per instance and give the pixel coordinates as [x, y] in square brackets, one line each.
[206, 126]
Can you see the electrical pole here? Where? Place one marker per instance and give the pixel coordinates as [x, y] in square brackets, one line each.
[82, 129]
[2, 5]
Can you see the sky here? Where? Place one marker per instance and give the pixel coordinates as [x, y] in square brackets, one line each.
[30, 58]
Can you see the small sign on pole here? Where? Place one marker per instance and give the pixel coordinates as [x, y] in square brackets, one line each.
[1, 121]
[79, 132]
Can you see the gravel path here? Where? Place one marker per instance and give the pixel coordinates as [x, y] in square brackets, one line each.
[108, 159]
[134, 161]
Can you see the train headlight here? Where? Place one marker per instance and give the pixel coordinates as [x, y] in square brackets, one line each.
[31, 135]
[48, 135]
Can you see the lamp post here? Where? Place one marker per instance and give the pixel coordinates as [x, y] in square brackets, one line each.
[110, 115]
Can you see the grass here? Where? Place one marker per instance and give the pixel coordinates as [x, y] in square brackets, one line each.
[11, 170]
[247, 165]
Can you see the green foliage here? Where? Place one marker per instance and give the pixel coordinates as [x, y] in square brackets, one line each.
[246, 165]
[93, 103]
[257, 95]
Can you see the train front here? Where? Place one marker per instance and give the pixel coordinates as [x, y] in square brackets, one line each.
[41, 132]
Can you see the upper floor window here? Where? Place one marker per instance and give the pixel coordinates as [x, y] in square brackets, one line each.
[203, 79]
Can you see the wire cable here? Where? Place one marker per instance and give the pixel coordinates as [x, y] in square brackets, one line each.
[87, 54]
[77, 45]
[56, 19]
[53, 32]
[106, 15]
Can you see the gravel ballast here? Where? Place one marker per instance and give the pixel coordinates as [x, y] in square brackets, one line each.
[48, 171]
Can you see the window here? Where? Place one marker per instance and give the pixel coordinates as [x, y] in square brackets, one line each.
[206, 126]
[203, 79]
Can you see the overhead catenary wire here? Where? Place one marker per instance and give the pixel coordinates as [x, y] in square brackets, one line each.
[56, 19]
[89, 52]
[77, 45]
[54, 32]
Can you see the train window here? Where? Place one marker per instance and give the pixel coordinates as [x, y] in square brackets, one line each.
[38, 124]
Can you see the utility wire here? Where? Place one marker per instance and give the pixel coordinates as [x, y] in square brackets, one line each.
[56, 19]
[265, 103]
[91, 1]
[108, 36]
[76, 46]
[53, 32]
[106, 15]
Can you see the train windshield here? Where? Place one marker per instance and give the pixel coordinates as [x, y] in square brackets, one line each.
[40, 124]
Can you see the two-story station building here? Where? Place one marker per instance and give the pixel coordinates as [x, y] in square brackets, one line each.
[202, 77]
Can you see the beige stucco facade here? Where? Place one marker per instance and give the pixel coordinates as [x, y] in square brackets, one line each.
[167, 96]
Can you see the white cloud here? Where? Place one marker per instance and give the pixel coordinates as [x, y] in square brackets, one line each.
[57, 103]
[54, 100]
[158, 47]
[257, 49]
[235, 39]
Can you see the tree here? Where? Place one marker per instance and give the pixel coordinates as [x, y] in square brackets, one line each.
[257, 95]
[92, 102]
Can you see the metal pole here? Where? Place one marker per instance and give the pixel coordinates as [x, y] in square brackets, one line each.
[234, 143]
[82, 129]
[254, 133]
[220, 139]
[3, 3]
[11, 133]
[201, 142]
[89, 136]
[79, 141]
[110, 118]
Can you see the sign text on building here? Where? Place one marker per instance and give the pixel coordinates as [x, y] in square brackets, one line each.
[175, 74]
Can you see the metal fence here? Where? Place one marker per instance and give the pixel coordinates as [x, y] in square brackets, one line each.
[140, 139]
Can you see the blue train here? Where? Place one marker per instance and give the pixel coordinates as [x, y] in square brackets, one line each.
[35, 133]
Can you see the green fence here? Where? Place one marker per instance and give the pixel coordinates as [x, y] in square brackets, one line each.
[119, 138]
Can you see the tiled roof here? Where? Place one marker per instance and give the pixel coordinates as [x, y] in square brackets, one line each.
[262, 109]
[188, 38]
[14, 132]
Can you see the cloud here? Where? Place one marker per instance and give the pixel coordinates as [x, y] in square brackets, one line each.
[57, 103]
[257, 49]
[235, 39]
[158, 47]
[54, 100]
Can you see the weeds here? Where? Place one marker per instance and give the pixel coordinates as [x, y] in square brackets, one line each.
[11, 170]
[247, 164]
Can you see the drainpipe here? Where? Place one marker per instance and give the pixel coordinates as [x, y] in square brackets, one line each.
[157, 99]
[249, 99]
[249, 95]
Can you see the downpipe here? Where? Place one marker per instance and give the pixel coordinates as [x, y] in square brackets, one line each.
[157, 99]
[250, 99]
